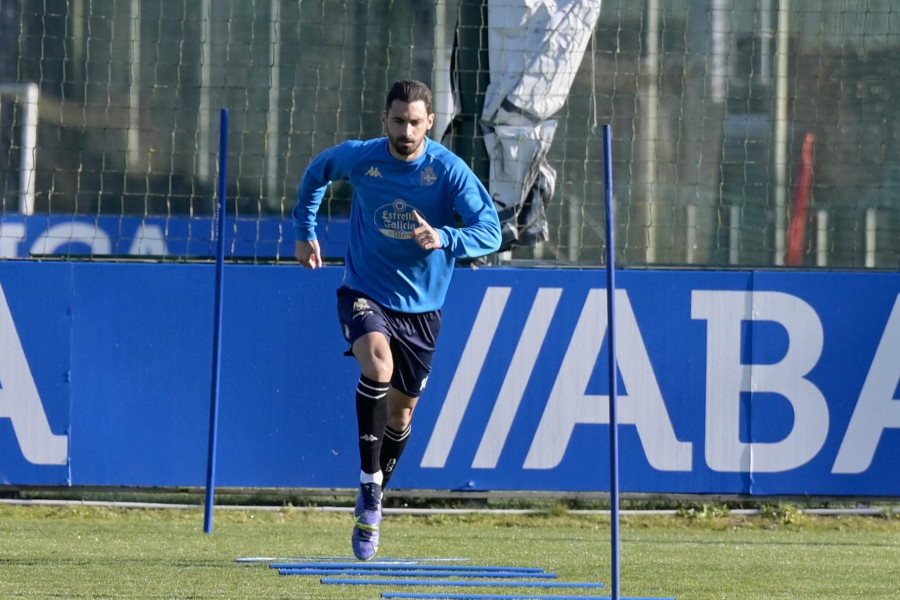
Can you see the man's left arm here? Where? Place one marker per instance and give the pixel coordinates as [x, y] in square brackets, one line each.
[481, 233]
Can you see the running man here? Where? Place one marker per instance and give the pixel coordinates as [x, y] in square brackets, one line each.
[408, 192]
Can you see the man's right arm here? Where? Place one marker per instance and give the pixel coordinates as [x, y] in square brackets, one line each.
[309, 197]
[328, 166]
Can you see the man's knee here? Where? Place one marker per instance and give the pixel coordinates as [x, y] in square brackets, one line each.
[373, 353]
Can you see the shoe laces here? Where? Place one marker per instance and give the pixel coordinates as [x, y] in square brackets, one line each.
[370, 496]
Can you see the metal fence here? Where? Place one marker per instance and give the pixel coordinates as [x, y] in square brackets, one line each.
[746, 132]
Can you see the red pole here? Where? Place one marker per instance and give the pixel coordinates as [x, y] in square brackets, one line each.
[800, 209]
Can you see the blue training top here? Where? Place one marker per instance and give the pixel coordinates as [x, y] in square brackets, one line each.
[383, 261]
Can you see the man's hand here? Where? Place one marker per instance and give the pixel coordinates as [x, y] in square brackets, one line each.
[308, 254]
[425, 235]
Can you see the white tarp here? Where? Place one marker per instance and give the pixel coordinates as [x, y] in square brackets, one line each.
[535, 48]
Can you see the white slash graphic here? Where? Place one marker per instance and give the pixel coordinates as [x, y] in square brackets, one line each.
[470, 365]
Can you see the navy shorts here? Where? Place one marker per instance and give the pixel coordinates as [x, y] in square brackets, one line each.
[412, 336]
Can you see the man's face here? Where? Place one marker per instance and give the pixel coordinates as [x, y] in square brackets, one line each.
[407, 125]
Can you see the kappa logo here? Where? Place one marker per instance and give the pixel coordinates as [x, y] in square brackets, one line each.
[373, 172]
[368, 438]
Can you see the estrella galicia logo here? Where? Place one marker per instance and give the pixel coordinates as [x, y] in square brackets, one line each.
[396, 220]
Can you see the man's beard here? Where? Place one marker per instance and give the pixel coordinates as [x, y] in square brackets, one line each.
[404, 146]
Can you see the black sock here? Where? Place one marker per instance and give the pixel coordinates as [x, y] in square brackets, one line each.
[391, 450]
[371, 420]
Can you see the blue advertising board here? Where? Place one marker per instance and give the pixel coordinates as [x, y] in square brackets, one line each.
[764, 383]
[264, 238]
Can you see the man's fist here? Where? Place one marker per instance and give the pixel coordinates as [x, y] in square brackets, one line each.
[308, 254]
[425, 235]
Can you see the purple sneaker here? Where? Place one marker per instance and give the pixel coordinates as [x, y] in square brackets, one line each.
[367, 520]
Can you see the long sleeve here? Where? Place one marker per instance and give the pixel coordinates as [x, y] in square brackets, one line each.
[481, 233]
[324, 168]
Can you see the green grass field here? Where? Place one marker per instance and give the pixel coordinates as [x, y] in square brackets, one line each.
[127, 553]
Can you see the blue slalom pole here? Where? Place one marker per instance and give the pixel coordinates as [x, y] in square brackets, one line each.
[393, 566]
[217, 323]
[613, 392]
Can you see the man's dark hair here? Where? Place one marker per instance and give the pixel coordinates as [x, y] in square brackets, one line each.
[409, 91]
